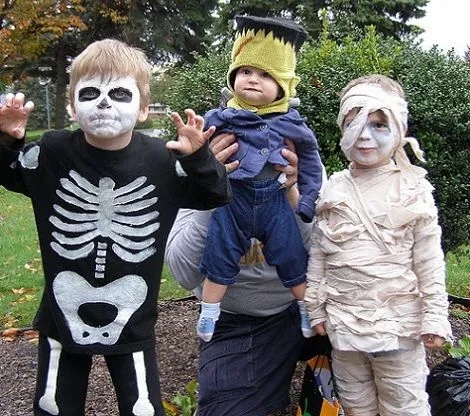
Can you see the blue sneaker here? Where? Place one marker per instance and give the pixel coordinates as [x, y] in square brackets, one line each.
[307, 330]
[205, 328]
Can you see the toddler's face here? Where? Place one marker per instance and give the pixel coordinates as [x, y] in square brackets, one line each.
[376, 143]
[107, 110]
[255, 86]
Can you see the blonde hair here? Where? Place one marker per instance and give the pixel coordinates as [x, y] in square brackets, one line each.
[110, 59]
[382, 81]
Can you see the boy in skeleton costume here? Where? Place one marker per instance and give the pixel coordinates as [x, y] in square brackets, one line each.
[105, 198]
[376, 279]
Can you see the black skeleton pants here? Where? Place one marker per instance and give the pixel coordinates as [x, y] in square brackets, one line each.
[62, 381]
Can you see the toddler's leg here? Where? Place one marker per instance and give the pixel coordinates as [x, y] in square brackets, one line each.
[212, 294]
[299, 293]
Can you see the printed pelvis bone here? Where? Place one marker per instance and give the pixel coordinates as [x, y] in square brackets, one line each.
[72, 291]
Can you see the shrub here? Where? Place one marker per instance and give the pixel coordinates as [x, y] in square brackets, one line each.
[436, 86]
[197, 85]
[439, 99]
[147, 124]
[325, 68]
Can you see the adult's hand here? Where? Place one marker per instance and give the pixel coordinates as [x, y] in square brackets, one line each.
[223, 146]
[291, 171]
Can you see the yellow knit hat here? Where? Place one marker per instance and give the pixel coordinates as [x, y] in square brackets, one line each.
[269, 44]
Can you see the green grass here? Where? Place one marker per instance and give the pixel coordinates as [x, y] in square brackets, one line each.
[21, 274]
[458, 272]
[33, 135]
[20, 264]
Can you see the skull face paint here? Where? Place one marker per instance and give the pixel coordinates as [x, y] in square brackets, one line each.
[107, 110]
[376, 143]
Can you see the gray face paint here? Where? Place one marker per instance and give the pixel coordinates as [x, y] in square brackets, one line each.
[107, 109]
[375, 144]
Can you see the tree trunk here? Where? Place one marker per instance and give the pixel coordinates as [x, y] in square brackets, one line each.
[61, 88]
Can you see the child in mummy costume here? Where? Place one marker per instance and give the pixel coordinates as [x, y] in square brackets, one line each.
[376, 278]
[105, 198]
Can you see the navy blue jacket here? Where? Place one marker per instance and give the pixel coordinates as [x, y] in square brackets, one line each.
[260, 141]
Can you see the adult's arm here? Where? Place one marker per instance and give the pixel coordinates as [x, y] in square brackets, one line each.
[315, 295]
[187, 238]
[185, 246]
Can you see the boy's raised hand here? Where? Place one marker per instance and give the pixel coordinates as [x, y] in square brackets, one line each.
[14, 114]
[190, 135]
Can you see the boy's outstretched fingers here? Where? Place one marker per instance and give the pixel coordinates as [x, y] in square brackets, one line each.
[191, 117]
[190, 134]
[176, 118]
[208, 133]
[199, 122]
[14, 114]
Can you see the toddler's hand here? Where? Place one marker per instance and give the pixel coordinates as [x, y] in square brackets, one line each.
[14, 114]
[320, 329]
[432, 341]
[190, 135]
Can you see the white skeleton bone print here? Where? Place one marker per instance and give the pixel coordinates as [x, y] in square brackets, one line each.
[102, 211]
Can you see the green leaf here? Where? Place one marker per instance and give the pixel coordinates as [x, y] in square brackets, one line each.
[465, 344]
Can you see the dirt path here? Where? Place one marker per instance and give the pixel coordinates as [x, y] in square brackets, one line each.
[177, 352]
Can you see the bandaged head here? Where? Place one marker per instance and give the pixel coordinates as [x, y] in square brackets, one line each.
[369, 98]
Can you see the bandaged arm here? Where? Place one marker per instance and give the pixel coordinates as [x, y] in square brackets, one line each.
[429, 267]
[315, 295]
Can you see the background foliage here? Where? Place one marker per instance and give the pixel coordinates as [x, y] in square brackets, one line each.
[390, 17]
[436, 89]
[40, 37]
[36, 92]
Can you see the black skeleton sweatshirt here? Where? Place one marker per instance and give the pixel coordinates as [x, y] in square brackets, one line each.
[103, 218]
